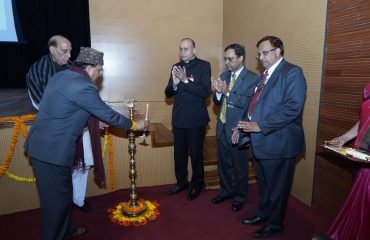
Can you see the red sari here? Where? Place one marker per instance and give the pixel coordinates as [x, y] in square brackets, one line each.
[353, 219]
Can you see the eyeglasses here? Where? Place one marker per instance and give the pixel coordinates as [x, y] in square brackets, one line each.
[230, 59]
[265, 53]
[184, 49]
[100, 70]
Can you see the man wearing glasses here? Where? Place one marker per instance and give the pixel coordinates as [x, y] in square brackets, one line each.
[234, 89]
[274, 121]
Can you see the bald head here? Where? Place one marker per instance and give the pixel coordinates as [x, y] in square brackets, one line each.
[187, 49]
[60, 49]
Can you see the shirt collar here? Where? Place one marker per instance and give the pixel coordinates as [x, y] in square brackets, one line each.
[273, 67]
[237, 72]
[189, 60]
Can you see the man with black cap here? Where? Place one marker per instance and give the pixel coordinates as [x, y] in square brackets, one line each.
[68, 101]
[88, 145]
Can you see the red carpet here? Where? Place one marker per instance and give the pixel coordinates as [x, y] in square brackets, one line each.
[179, 220]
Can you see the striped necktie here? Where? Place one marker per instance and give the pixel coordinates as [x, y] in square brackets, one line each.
[256, 95]
[224, 102]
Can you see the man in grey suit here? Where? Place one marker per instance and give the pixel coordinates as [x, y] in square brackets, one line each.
[234, 89]
[274, 121]
[70, 98]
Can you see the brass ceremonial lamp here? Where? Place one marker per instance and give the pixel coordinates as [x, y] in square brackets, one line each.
[133, 207]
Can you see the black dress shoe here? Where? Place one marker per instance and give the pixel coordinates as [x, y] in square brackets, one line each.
[219, 199]
[84, 208]
[177, 189]
[253, 221]
[237, 206]
[194, 193]
[266, 232]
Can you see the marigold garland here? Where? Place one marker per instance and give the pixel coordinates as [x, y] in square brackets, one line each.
[20, 179]
[20, 127]
[117, 216]
[9, 154]
[112, 177]
[105, 142]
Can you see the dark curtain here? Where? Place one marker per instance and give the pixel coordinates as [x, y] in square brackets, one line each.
[39, 20]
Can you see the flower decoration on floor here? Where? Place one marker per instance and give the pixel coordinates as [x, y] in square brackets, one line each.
[146, 211]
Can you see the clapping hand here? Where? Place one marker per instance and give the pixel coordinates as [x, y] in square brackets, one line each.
[175, 79]
[179, 73]
[216, 84]
[220, 86]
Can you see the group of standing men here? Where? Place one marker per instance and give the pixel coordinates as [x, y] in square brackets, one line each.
[264, 113]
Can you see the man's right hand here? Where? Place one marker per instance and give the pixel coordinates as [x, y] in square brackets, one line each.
[142, 124]
[216, 84]
[235, 136]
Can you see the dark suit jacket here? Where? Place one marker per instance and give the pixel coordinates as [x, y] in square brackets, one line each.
[238, 100]
[67, 103]
[278, 113]
[189, 108]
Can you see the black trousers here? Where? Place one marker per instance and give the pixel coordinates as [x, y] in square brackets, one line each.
[54, 184]
[232, 167]
[275, 178]
[189, 141]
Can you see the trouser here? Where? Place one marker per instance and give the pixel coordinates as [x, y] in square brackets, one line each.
[55, 192]
[232, 167]
[79, 180]
[274, 181]
[80, 173]
[189, 141]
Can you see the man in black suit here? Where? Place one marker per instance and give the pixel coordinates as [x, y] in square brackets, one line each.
[234, 89]
[276, 131]
[190, 85]
[69, 99]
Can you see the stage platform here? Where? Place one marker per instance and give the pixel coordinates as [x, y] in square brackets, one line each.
[15, 102]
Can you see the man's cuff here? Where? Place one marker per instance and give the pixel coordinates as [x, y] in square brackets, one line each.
[133, 126]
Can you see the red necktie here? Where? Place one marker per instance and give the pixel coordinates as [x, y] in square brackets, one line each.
[257, 93]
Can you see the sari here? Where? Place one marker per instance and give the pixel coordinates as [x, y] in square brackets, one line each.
[353, 219]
